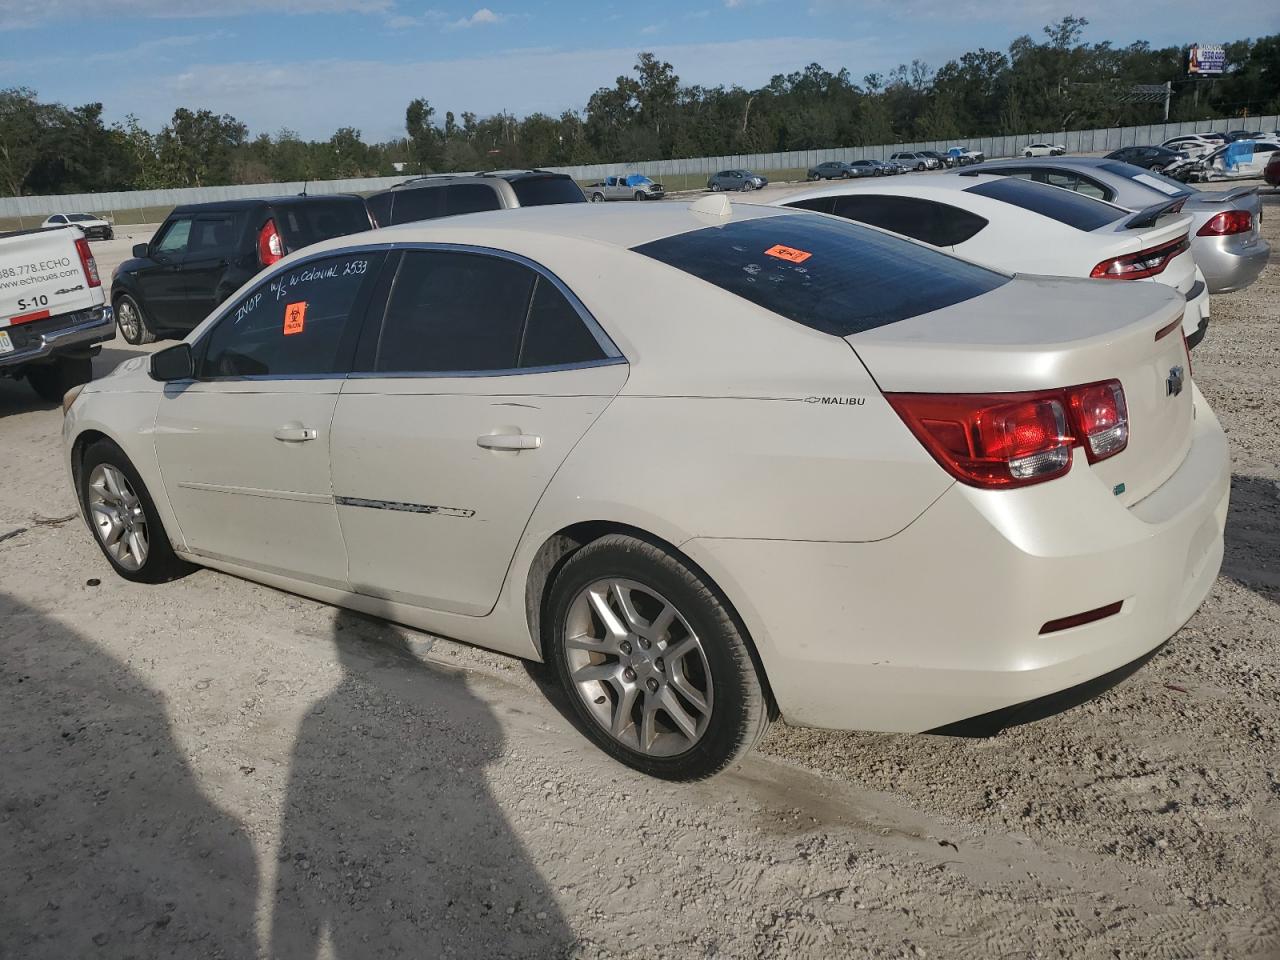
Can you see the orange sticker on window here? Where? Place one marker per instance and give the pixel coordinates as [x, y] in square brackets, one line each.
[295, 314]
[790, 254]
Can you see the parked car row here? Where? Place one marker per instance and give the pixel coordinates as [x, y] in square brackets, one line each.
[438, 424]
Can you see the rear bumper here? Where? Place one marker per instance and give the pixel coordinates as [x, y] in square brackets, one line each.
[941, 623]
[1195, 321]
[63, 334]
[1228, 264]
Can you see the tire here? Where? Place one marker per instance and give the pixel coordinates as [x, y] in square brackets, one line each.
[132, 321]
[720, 691]
[1028, 154]
[51, 380]
[109, 489]
[811, 177]
[877, 172]
[640, 195]
[716, 188]
[597, 197]
[846, 175]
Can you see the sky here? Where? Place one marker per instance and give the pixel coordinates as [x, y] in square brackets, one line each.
[315, 65]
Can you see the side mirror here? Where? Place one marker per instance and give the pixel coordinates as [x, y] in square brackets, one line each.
[140, 250]
[173, 363]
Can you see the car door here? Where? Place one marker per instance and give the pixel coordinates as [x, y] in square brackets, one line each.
[481, 377]
[159, 280]
[214, 240]
[244, 447]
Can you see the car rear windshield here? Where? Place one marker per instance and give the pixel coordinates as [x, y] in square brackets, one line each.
[1172, 187]
[1065, 206]
[540, 191]
[309, 222]
[828, 274]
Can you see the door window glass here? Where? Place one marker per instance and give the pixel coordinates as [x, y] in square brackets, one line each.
[213, 235]
[555, 333]
[174, 241]
[59, 218]
[470, 198]
[417, 203]
[300, 322]
[452, 312]
[939, 224]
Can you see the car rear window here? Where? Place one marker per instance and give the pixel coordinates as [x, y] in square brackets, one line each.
[540, 191]
[314, 220]
[1172, 187]
[1064, 206]
[831, 275]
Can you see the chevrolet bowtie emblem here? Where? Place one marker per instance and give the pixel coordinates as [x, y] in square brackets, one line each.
[1173, 386]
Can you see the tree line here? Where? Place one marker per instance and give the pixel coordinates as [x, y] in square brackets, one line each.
[1055, 83]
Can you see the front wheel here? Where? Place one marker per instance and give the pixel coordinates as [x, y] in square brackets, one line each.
[51, 381]
[716, 188]
[133, 326]
[655, 664]
[639, 194]
[123, 517]
[597, 198]
[1028, 154]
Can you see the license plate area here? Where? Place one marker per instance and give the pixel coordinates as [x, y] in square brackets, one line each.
[6, 345]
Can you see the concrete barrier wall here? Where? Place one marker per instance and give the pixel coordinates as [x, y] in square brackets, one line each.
[1076, 141]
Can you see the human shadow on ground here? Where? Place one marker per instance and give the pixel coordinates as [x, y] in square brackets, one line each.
[108, 846]
[1252, 556]
[392, 842]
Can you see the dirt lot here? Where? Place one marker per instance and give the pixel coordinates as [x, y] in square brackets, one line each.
[215, 769]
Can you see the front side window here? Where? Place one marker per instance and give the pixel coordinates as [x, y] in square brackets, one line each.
[301, 322]
[827, 274]
[457, 312]
[174, 241]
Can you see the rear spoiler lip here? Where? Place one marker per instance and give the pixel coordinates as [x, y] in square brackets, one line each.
[1224, 196]
[1148, 216]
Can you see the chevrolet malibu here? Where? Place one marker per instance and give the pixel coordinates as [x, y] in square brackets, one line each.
[801, 468]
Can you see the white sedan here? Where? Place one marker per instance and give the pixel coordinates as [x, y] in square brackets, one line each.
[95, 228]
[1027, 227]
[713, 462]
[1044, 150]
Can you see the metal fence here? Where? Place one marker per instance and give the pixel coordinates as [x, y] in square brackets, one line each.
[690, 171]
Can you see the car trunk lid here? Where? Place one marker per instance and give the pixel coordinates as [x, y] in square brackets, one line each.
[42, 275]
[1048, 333]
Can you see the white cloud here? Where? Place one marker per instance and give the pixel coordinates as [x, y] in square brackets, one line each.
[653, 28]
[481, 17]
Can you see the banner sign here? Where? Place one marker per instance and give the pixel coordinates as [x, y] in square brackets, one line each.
[1206, 59]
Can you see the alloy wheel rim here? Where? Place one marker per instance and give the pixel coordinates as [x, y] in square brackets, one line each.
[118, 517]
[638, 667]
[128, 320]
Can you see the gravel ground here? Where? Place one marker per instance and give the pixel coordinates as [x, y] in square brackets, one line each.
[215, 769]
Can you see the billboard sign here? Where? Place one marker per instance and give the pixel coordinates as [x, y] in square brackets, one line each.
[1206, 59]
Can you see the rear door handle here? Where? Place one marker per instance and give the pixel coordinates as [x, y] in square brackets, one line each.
[509, 441]
[296, 433]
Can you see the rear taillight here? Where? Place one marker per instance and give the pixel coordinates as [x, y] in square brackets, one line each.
[1143, 264]
[89, 264]
[1003, 440]
[1101, 418]
[1226, 224]
[270, 244]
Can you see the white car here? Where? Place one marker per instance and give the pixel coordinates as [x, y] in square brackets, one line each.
[1242, 160]
[712, 461]
[94, 228]
[1044, 150]
[1192, 144]
[1026, 227]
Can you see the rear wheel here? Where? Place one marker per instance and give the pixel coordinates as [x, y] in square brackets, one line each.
[124, 518]
[654, 663]
[133, 326]
[51, 380]
[597, 197]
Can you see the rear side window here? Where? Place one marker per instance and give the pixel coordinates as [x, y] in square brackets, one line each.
[831, 275]
[311, 221]
[454, 312]
[213, 235]
[417, 203]
[540, 191]
[939, 224]
[470, 198]
[1071, 209]
[302, 322]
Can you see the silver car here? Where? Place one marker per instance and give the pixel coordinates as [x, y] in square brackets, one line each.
[1225, 235]
[633, 186]
[736, 180]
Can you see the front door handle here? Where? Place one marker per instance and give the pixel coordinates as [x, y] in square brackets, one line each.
[296, 433]
[509, 441]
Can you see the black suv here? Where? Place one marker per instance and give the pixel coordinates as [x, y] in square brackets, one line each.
[204, 252]
[450, 194]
